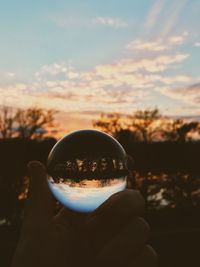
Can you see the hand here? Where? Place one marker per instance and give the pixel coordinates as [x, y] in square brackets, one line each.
[113, 235]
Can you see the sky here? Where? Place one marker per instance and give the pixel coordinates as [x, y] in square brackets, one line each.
[87, 57]
[87, 198]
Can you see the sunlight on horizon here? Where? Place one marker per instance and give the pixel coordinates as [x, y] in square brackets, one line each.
[84, 59]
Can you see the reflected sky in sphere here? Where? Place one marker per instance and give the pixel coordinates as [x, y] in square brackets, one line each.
[85, 195]
[85, 168]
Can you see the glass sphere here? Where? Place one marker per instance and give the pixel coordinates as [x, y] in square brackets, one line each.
[85, 168]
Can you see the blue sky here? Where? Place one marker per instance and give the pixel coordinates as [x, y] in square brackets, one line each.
[48, 31]
[84, 57]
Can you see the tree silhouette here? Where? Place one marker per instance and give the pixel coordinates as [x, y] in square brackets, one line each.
[7, 119]
[138, 127]
[142, 122]
[178, 130]
[146, 126]
[109, 123]
[33, 121]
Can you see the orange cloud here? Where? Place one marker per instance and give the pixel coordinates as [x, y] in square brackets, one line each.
[117, 87]
[188, 94]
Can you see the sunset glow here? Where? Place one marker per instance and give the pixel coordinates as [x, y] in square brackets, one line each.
[87, 57]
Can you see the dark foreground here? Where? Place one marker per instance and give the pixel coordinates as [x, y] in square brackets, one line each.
[169, 168]
[175, 236]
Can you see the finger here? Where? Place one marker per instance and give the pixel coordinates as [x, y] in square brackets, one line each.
[40, 203]
[121, 205]
[108, 220]
[115, 210]
[67, 224]
[70, 218]
[124, 247]
[147, 258]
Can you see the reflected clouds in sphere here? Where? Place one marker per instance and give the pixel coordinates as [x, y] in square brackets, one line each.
[85, 168]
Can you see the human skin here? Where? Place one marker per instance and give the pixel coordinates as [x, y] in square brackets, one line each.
[113, 235]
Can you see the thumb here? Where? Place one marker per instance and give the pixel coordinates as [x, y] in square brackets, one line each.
[40, 202]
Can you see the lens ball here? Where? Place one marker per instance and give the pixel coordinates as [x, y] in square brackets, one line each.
[85, 168]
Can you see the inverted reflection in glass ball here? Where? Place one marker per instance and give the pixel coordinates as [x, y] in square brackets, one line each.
[86, 195]
[85, 168]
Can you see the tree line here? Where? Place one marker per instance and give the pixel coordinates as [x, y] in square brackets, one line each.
[165, 169]
[29, 123]
[147, 125]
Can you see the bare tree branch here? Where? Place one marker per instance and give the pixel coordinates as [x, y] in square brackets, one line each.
[6, 122]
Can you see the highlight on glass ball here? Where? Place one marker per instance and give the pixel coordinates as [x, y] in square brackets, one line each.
[85, 168]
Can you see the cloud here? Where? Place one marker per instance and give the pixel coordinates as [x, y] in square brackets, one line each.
[163, 17]
[7, 77]
[153, 64]
[188, 94]
[152, 16]
[118, 87]
[172, 16]
[197, 44]
[111, 22]
[158, 45]
[10, 74]
[68, 21]
[53, 69]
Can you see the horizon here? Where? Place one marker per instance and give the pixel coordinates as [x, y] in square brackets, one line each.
[83, 59]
